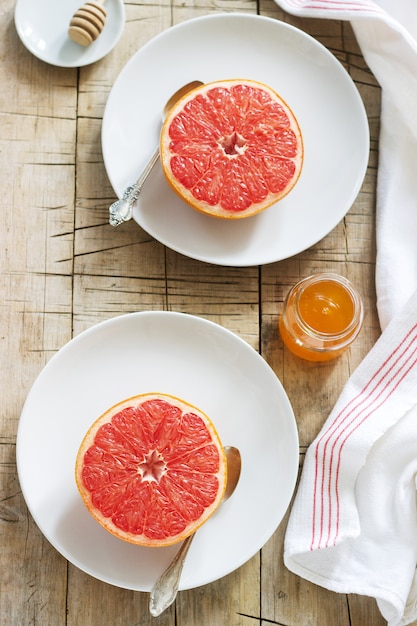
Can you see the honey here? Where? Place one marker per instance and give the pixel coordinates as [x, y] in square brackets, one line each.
[322, 315]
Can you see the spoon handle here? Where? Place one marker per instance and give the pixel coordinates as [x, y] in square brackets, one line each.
[122, 210]
[165, 589]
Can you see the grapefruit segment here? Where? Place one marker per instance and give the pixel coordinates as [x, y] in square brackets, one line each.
[151, 469]
[231, 148]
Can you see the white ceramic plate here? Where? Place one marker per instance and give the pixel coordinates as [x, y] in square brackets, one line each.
[42, 25]
[312, 81]
[188, 357]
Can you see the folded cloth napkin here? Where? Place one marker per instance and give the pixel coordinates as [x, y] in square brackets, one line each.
[353, 525]
[386, 31]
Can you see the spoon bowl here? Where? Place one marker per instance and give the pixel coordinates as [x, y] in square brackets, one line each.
[234, 466]
[122, 210]
[166, 587]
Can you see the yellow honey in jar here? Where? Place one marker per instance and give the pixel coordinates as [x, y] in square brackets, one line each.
[322, 315]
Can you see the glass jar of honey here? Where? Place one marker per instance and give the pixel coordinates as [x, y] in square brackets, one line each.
[322, 315]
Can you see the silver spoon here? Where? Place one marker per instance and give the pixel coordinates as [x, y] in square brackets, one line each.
[165, 589]
[122, 210]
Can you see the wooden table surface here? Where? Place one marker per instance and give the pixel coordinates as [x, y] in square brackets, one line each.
[64, 268]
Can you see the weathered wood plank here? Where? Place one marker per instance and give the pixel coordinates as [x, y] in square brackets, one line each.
[63, 269]
[37, 157]
[233, 601]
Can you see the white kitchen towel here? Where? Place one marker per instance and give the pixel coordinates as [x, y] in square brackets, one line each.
[353, 525]
[386, 31]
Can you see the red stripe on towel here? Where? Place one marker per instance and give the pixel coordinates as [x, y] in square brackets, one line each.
[374, 394]
[367, 8]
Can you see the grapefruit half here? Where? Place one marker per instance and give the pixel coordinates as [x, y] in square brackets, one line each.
[151, 469]
[231, 148]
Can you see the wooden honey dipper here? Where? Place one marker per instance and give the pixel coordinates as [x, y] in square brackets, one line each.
[87, 22]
